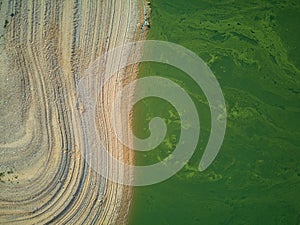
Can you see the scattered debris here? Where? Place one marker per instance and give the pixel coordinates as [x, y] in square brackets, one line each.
[6, 23]
[147, 24]
[147, 10]
[7, 175]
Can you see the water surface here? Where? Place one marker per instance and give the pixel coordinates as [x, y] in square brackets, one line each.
[252, 47]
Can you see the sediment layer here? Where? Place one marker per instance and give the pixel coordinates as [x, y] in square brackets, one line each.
[45, 49]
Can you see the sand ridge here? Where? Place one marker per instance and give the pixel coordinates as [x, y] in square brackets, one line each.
[45, 48]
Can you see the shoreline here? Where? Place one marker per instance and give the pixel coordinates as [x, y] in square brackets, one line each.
[144, 10]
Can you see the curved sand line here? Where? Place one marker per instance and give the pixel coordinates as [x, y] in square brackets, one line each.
[45, 48]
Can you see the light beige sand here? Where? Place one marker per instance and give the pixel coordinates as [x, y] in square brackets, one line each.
[45, 48]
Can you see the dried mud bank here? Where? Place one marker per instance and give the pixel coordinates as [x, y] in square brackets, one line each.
[45, 48]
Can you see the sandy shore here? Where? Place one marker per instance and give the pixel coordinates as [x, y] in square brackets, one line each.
[45, 48]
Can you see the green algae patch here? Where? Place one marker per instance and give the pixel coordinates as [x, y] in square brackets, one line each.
[253, 49]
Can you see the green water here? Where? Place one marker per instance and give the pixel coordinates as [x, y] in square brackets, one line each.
[253, 49]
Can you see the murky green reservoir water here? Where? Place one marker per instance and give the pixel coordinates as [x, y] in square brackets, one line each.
[253, 49]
